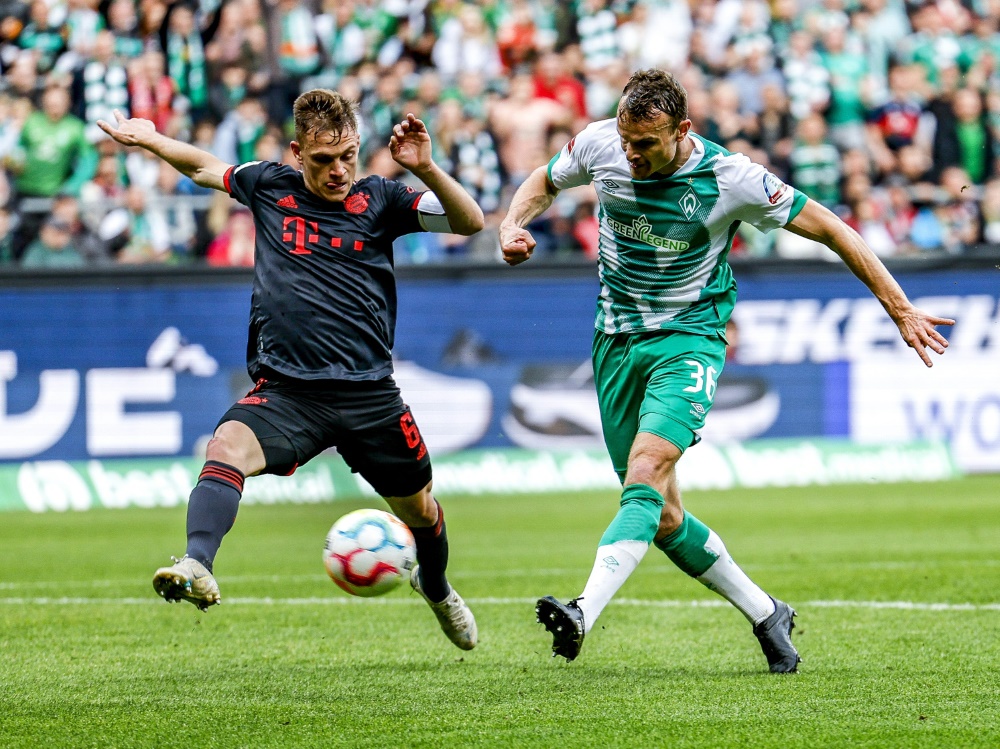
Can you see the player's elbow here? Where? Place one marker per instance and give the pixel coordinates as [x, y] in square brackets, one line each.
[472, 223]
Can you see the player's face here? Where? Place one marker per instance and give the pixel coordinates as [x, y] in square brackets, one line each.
[329, 163]
[651, 146]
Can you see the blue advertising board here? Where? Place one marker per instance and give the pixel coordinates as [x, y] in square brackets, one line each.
[495, 360]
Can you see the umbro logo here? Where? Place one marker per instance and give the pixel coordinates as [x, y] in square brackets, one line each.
[287, 202]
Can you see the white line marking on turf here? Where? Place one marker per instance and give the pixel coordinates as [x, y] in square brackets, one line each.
[413, 601]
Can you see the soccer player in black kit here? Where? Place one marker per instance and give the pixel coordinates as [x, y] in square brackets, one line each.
[322, 322]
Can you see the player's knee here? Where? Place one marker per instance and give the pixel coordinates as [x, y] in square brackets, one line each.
[235, 447]
[419, 510]
[650, 466]
[671, 518]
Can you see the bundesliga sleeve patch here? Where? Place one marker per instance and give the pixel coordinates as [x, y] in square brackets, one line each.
[774, 188]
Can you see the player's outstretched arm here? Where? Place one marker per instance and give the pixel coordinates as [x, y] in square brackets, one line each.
[200, 166]
[531, 200]
[915, 326]
[410, 146]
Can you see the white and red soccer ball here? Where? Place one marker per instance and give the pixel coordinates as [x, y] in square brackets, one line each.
[369, 552]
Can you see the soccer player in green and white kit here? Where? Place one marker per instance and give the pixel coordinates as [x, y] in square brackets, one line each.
[670, 204]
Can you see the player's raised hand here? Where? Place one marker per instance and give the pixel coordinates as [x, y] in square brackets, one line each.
[516, 243]
[130, 132]
[919, 331]
[410, 144]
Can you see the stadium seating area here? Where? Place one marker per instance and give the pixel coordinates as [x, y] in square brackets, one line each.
[887, 111]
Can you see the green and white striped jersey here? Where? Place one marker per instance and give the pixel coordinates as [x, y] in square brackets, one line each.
[664, 241]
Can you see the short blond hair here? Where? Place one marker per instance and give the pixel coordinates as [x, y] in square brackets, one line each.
[324, 111]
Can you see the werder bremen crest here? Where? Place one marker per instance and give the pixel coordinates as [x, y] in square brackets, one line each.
[689, 203]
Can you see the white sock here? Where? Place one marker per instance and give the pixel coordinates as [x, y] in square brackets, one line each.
[615, 562]
[727, 579]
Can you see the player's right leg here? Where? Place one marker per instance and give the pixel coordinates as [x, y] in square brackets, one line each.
[271, 430]
[233, 453]
[620, 390]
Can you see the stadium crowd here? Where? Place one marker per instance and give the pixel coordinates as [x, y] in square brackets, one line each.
[887, 111]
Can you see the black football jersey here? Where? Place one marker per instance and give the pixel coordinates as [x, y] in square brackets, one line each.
[324, 294]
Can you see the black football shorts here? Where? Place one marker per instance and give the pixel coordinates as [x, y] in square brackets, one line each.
[367, 422]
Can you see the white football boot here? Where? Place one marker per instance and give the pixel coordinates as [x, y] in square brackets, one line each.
[454, 616]
[187, 579]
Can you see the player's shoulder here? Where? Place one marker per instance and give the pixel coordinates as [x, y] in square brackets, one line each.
[727, 166]
[376, 186]
[596, 137]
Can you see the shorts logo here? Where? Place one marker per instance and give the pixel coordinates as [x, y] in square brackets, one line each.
[252, 400]
[774, 188]
[357, 203]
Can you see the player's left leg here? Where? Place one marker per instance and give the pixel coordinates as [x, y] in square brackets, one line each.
[385, 446]
[698, 551]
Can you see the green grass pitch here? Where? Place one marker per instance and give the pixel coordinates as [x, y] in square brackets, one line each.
[89, 657]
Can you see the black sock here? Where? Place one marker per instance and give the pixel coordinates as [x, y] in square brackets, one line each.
[212, 510]
[432, 556]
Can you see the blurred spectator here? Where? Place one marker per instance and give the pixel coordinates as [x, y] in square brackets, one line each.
[293, 36]
[54, 156]
[755, 72]
[6, 237]
[517, 35]
[99, 194]
[151, 90]
[991, 212]
[43, 35]
[176, 210]
[21, 79]
[100, 85]
[13, 114]
[873, 230]
[465, 44]
[962, 137]
[83, 23]
[959, 211]
[553, 82]
[933, 45]
[521, 123]
[237, 135]
[66, 209]
[893, 124]
[53, 248]
[724, 122]
[597, 28]
[773, 130]
[235, 245]
[341, 39]
[135, 233]
[124, 24]
[850, 87]
[184, 43]
[476, 163]
[815, 162]
[227, 91]
[881, 26]
[658, 34]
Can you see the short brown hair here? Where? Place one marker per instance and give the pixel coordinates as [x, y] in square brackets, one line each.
[324, 111]
[649, 92]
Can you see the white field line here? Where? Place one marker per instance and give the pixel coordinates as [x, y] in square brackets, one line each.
[493, 574]
[413, 601]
